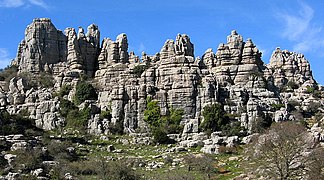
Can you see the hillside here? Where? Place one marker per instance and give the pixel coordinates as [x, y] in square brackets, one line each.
[70, 85]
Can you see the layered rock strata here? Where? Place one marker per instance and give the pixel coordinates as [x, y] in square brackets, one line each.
[234, 76]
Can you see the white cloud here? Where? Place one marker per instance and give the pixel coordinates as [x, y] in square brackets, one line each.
[264, 51]
[300, 29]
[141, 48]
[4, 58]
[22, 3]
[11, 3]
[39, 3]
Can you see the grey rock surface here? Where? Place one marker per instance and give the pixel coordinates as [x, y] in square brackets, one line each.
[234, 76]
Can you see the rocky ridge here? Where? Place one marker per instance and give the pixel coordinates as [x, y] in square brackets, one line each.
[234, 76]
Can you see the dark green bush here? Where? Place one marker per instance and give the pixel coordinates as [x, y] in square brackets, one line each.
[234, 129]
[214, 119]
[45, 80]
[58, 151]
[105, 115]
[65, 90]
[292, 85]
[8, 73]
[202, 163]
[277, 106]
[3, 164]
[160, 136]
[4, 146]
[27, 160]
[66, 106]
[117, 128]
[117, 170]
[75, 118]
[152, 112]
[138, 70]
[17, 124]
[84, 91]
[162, 125]
[78, 119]
[310, 90]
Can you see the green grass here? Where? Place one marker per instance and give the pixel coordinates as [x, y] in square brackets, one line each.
[97, 148]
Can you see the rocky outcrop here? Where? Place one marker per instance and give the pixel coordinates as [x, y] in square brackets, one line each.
[287, 67]
[43, 44]
[44, 47]
[74, 58]
[234, 76]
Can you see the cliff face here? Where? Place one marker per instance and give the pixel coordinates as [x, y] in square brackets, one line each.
[234, 76]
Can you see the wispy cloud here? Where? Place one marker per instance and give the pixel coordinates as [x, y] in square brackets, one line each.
[39, 3]
[22, 3]
[4, 58]
[300, 29]
[11, 3]
[141, 47]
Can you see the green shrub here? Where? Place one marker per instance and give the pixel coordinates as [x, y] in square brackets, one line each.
[75, 118]
[234, 129]
[310, 90]
[152, 112]
[17, 124]
[160, 136]
[119, 170]
[78, 119]
[66, 106]
[277, 106]
[214, 119]
[65, 90]
[4, 146]
[58, 151]
[45, 80]
[3, 164]
[105, 115]
[84, 91]
[292, 85]
[117, 128]
[162, 125]
[175, 116]
[202, 163]
[27, 160]
[138, 70]
[8, 73]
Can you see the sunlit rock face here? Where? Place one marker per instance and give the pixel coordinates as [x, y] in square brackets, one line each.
[234, 75]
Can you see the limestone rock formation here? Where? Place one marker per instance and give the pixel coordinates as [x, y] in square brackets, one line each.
[43, 44]
[288, 66]
[233, 76]
[74, 58]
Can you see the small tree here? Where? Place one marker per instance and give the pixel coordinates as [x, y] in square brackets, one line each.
[84, 91]
[8, 73]
[280, 153]
[152, 112]
[214, 119]
[292, 85]
[138, 70]
[162, 125]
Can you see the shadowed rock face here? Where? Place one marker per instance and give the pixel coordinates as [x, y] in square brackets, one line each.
[234, 76]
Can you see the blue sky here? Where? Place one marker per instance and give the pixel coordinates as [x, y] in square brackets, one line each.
[290, 24]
